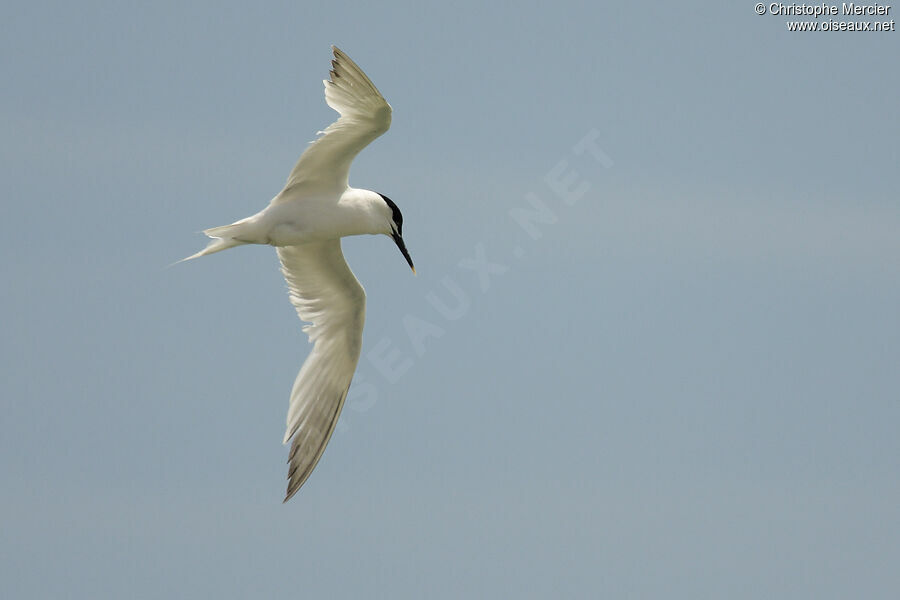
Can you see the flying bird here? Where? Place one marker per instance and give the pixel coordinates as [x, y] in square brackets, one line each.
[305, 222]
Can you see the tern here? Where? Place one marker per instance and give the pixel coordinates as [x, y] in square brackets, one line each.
[305, 222]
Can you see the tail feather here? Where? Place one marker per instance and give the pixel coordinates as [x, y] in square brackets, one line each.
[223, 237]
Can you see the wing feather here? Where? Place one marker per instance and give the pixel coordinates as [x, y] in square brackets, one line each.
[325, 293]
[365, 115]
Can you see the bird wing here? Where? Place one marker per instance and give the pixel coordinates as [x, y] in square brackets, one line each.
[325, 293]
[365, 115]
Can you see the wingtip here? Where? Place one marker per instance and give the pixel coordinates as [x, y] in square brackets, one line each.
[291, 492]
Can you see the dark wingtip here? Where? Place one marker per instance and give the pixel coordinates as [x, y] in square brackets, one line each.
[290, 492]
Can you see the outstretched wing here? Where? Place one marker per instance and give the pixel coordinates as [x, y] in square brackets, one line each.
[325, 293]
[365, 115]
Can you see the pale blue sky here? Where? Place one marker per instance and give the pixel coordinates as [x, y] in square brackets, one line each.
[685, 387]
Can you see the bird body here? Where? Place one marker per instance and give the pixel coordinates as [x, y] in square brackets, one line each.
[305, 222]
[294, 218]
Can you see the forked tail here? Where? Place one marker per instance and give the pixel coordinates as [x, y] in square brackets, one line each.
[223, 237]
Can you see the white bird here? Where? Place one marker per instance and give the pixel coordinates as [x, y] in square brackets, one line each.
[305, 222]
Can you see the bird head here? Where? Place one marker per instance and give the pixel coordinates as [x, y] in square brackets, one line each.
[396, 229]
